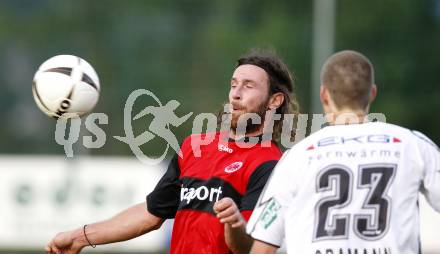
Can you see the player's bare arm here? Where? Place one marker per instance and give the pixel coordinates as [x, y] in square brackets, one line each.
[235, 226]
[131, 223]
[262, 248]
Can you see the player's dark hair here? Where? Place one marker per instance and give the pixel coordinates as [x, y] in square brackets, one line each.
[349, 76]
[281, 80]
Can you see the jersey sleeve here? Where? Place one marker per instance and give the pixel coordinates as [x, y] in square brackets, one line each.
[163, 201]
[267, 221]
[431, 170]
[255, 185]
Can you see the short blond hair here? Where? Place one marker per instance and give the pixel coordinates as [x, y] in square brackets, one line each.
[349, 76]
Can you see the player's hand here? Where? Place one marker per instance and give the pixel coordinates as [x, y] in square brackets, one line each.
[62, 243]
[228, 212]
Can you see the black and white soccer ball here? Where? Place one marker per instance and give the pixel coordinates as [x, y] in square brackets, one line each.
[66, 84]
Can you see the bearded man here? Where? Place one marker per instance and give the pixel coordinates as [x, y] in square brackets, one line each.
[211, 193]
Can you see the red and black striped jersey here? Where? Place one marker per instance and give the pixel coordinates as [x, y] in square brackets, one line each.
[192, 184]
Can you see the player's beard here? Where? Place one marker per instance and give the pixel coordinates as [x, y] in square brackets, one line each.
[260, 110]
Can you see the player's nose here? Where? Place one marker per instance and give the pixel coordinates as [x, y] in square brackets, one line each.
[236, 93]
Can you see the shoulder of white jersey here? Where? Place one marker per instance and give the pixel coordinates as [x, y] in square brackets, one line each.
[306, 141]
[297, 149]
[417, 136]
[424, 139]
[395, 128]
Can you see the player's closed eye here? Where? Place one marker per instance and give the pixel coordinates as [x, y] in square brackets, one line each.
[233, 83]
[248, 84]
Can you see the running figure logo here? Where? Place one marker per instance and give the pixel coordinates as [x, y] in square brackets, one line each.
[163, 117]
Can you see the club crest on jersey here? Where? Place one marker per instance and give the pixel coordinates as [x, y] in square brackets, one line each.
[233, 167]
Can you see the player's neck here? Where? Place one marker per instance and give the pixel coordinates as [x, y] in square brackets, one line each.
[347, 116]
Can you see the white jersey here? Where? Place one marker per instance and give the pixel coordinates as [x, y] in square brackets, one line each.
[350, 189]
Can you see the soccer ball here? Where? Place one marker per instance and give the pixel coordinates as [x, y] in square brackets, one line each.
[66, 84]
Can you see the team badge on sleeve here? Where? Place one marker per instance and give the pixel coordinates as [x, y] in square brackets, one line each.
[270, 213]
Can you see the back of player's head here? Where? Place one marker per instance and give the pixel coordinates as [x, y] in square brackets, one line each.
[349, 77]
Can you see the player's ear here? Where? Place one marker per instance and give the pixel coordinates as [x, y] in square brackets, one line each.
[275, 100]
[323, 95]
[373, 93]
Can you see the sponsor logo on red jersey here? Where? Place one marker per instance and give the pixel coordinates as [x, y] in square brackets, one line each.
[200, 193]
[223, 148]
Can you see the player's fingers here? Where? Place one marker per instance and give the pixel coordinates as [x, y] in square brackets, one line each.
[226, 213]
[238, 224]
[56, 250]
[222, 204]
[48, 248]
[218, 207]
[230, 219]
